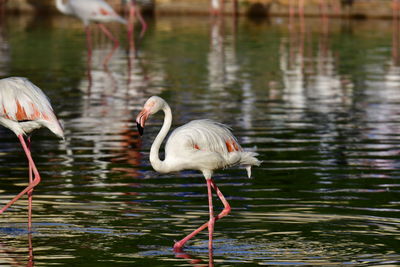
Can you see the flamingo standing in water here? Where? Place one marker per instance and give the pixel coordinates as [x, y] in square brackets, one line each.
[202, 145]
[133, 12]
[97, 11]
[24, 108]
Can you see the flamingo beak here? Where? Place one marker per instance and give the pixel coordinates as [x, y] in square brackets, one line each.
[141, 120]
[140, 128]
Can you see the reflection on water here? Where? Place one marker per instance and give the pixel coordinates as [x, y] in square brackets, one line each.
[319, 104]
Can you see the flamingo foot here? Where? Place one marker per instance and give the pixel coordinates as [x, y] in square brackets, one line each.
[178, 246]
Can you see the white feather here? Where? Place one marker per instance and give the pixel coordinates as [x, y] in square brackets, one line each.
[20, 91]
[90, 10]
[199, 144]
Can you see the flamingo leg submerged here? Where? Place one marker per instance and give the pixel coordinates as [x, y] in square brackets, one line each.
[30, 192]
[108, 33]
[227, 208]
[110, 36]
[211, 222]
[88, 40]
[35, 181]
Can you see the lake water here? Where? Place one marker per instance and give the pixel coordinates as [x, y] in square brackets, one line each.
[319, 100]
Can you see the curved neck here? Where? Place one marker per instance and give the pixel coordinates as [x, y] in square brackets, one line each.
[155, 161]
[63, 8]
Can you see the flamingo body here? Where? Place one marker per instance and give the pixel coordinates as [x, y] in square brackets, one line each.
[203, 145]
[97, 11]
[24, 108]
[90, 11]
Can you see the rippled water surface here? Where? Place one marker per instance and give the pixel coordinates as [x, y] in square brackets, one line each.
[318, 100]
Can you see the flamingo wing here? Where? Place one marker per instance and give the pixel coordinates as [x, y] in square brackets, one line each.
[207, 135]
[94, 10]
[21, 100]
[202, 144]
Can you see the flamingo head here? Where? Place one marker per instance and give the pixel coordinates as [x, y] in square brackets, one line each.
[152, 105]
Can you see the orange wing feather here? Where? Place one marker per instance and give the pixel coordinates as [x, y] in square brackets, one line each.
[21, 115]
[231, 145]
[104, 12]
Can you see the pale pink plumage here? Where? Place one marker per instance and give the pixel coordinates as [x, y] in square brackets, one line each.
[205, 145]
[89, 11]
[24, 108]
[202, 145]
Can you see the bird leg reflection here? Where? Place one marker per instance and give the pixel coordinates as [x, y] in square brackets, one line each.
[30, 249]
[227, 208]
[192, 260]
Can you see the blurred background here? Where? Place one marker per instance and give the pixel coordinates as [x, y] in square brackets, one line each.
[312, 86]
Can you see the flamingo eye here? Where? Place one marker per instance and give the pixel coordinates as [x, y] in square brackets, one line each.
[150, 104]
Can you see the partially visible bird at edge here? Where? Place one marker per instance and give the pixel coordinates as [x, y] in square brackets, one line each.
[23, 109]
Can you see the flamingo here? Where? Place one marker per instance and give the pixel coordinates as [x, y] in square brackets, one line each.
[24, 108]
[97, 11]
[217, 7]
[202, 145]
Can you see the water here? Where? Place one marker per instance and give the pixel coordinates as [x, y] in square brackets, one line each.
[319, 105]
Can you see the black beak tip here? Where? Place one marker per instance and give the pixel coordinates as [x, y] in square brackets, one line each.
[140, 129]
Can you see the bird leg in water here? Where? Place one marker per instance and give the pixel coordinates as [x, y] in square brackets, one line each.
[32, 184]
[227, 208]
[133, 12]
[112, 38]
[89, 42]
[30, 192]
[211, 222]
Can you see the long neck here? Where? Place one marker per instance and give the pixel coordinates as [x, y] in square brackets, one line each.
[63, 8]
[158, 164]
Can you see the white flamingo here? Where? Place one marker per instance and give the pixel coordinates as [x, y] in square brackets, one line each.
[88, 11]
[202, 145]
[24, 108]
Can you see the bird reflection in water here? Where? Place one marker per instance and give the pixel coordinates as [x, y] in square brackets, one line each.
[12, 257]
[109, 96]
[30, 249]
[97, 11]
[196, 262]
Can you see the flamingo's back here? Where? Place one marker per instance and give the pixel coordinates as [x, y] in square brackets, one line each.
[208, 142]
[94, 10]
[205, 135]
[23, 106]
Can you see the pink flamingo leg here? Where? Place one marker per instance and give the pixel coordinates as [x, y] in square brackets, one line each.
[227, 208]
[211, 222]
[133, 12]
[109, 34]
[89, 57]
[131, 24]
[88, 41]
[142, 21]
[35, 181]
[112, 38]
[30, 192]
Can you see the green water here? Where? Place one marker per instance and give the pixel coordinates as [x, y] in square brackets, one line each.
[318, 102]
